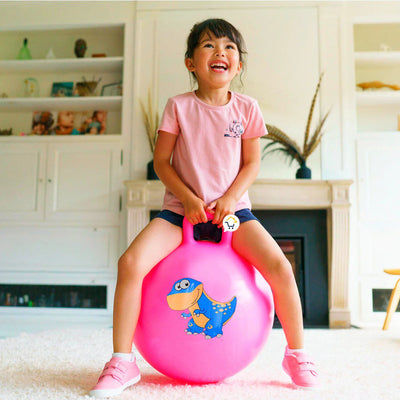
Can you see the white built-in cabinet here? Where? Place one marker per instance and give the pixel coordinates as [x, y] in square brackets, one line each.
[23, 170]
[61, 196]
[376, 44]
[50, 182]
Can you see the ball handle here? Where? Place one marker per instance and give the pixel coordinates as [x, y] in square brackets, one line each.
[226, 239]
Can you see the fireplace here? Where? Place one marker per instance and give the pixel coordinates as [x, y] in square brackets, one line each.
[302, 236]
[330, 199]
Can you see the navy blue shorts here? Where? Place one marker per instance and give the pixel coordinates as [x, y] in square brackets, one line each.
[244, 215]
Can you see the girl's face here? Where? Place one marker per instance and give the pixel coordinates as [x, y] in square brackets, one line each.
[215, 61]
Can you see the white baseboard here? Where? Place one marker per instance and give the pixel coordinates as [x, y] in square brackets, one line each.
[15, 325]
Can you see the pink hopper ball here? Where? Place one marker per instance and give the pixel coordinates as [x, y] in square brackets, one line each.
[206, 312]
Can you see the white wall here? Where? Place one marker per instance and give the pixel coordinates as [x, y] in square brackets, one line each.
[282, 69]
[289, 44]
[65, 12]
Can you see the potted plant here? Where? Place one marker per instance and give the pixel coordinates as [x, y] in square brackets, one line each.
[151, 121]
[282, 143]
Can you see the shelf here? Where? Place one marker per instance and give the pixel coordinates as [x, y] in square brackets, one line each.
[109, 64]
[378, 134]
[367, 58]
[378, 98]
[108, 103]
[59, 27]
[108, 137]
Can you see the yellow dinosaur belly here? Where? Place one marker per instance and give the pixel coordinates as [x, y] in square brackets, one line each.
[201, 319]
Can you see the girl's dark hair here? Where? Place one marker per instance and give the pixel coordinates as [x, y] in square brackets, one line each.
[220, 28]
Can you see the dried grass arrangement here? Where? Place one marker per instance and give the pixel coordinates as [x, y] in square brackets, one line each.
[151, 120]
[289, 147]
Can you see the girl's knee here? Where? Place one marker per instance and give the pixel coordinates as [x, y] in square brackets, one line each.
[128, 268]
[280, 268]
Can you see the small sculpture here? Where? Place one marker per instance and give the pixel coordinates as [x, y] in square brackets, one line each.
[80, 48]
[377, 85]
[50, 55]
[24, 53]
[31, 87]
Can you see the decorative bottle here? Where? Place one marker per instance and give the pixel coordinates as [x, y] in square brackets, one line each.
[24, 53]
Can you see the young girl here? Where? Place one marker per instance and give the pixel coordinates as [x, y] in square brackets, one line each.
[213, 134]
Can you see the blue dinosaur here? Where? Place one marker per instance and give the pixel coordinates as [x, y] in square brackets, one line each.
[208, 315]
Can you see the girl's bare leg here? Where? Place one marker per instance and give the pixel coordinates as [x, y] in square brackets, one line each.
[155, 242]
[255, 244]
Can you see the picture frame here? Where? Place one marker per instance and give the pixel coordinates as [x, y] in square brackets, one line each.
[66, 123]
[62, 89]
[112, 89]
[91, 122]
[42, 123]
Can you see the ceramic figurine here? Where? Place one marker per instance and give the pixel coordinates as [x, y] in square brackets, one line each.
[80, 48]
[50, 55]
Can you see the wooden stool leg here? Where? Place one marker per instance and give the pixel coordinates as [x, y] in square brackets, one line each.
[393, 302]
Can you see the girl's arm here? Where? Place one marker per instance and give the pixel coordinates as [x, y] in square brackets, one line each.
[193, 205]
[248, 173]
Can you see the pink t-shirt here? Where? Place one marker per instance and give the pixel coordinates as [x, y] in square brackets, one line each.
[207, 153]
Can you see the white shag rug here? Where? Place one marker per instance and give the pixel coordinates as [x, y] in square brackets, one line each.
[64, 365]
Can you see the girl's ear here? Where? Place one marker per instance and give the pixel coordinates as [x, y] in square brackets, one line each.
[240, 65]
[189, 64]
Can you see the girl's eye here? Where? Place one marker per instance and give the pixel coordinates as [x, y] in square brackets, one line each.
[208, 45]
[230, 47]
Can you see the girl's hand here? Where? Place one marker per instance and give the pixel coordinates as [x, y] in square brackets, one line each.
[195, 210]
[221, 207]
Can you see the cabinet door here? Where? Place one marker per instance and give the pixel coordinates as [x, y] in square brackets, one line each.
[22, 176]
[83, 182]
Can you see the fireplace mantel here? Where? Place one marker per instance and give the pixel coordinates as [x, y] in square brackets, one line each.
[332, 195]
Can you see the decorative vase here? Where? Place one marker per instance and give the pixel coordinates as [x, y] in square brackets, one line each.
[24, 53]
[151, 174]
[303, 172]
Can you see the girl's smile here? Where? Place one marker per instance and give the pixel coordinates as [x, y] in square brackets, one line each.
[219, 66]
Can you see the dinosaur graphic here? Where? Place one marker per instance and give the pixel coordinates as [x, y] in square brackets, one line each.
[208, 315]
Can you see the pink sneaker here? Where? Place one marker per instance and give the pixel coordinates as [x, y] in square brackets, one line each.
[301, 369]
[117, 375]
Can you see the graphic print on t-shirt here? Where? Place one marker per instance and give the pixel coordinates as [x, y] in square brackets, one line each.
[235, 129]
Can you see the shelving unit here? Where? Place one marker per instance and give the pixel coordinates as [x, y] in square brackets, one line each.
[109, 103]
[103, 39]
[378, 99]
[373, 64]
[380, 58]
[105, 64]
[63, 197]
[377, 145]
